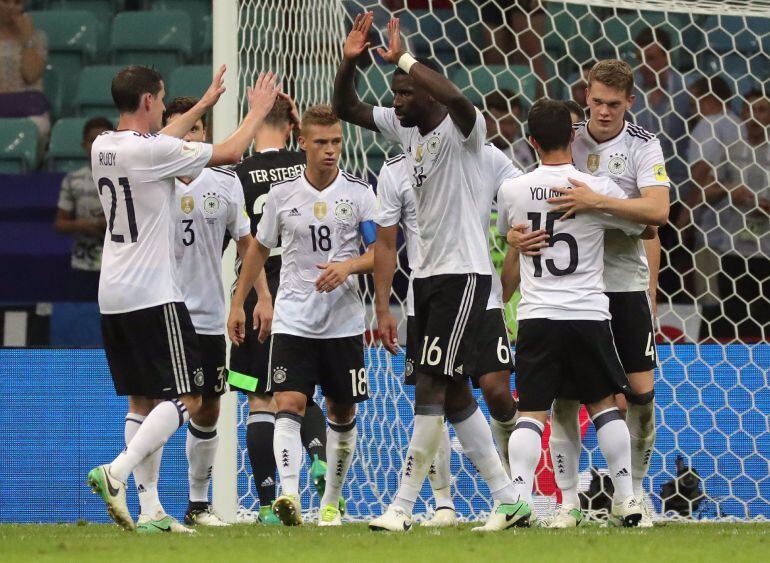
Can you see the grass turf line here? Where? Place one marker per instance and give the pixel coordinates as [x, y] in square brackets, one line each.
[355, 543]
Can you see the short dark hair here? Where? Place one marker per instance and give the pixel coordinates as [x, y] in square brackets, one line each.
[320, 114]
[502, 100]
[574, 107]
[279, 114]
[613, 73]
[427, 61]
[714, 85]
[550, 125]
[181, 105]
[131, 83]
[100, 122]
[650, 36]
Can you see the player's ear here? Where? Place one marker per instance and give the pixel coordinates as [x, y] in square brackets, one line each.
[302, 143]
[631, 100]
[533, 142]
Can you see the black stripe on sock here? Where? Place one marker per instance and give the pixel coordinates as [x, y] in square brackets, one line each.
[530, 425]
[180, 409]
[429, 410]
[290, 415]
[464, 414]
[200, 434]
[129, 418]
[606, 417]
[342, 427]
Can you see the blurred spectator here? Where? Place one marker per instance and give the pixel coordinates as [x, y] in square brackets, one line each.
[80, 215]
[716, 131]
[503, 116]
[578, 88]
[662, 105]
[514, 32]
[576, 111]
[743, 240]
[396, 5]
[23, 53]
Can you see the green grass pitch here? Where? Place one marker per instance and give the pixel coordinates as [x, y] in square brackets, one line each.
[727, 543]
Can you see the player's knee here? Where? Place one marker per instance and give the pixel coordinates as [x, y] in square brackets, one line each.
[261, 403]
[340, 413]
[193, 403]
[291, 402]
[641, 398]
[497, 395]
[429, 389]
[208, 413]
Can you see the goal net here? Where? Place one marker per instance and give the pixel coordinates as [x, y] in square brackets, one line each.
[712, 390]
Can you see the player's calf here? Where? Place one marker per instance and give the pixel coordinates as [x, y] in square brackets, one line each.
[496, 389]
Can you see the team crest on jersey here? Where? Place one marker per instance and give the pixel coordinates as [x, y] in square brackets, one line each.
[320, 210]
[593, 163]
[409, 370]
[210, 203]
[188, 204]
[617, 164]
[279, 375]
[343, 209]
[434, 145]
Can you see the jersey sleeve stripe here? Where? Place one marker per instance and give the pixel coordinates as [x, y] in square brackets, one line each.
[393, 160]
[354, 179]
[223, 171]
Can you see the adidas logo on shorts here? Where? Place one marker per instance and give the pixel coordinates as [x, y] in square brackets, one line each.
[459, 369]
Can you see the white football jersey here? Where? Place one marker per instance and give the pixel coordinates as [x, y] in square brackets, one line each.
[135, 173]
[204, 210]
[444, 168]
[566, 280]
[396, 206]
[315, 227]
[633, 159]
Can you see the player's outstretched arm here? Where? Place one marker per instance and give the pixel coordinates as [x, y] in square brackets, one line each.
[181, 126]
[511, 274]
[650, 209]
[345, 100]
[461, 109]
[385, 260]
[261, 99]
[253, 264]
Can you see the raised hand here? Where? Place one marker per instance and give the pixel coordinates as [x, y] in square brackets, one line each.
[293, 112]
[262, 96]
[395, 50]
[216, 89]
[356, 42]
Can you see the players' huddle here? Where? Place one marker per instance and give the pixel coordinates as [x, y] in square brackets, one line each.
[582, 249]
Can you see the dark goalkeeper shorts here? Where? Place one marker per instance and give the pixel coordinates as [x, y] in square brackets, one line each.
[249, 361]
[299, 364]
[153, 352]
[569, 359]
[633, 330]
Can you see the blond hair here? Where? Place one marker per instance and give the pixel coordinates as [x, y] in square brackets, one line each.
[320, 114]
[614, 73]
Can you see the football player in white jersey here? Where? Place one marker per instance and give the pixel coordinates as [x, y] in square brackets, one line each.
[491, 369]
[149, 339]
[608, 146]
[321, 218]
[564, 346]
[442, 135]
[206, 208]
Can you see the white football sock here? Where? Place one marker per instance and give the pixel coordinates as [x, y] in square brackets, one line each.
[146, 472]
[288, 451]
[564, 444]
[501, 431]
[641, 428]
[154, 432]
[440, 475]
[615, 443]
[340, 447]
[201, 447]
[476, 438]
[525, 447]
[426, 436]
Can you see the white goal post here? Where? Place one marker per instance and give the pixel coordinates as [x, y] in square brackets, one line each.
[713, 393]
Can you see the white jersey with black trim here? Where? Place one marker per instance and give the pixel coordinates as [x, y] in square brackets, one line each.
[134, 174]
[444, 168]
[566, 280]
[315, 227]
[205, 209]
[634, 160]
[397, 206]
